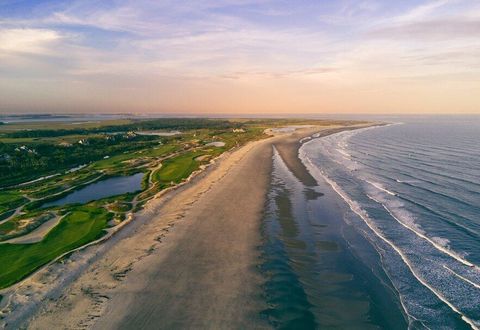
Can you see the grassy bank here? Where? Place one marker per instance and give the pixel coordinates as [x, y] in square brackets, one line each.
[77, 228]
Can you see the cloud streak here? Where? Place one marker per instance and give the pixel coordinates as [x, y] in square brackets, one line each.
[28, 41]
[439, 29]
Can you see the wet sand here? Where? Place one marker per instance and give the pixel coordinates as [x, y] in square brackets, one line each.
[189, 260]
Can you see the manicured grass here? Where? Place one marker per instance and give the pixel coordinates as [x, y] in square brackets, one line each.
[160, 151]
[178, 168]
[84, 224]
[7, 214]
[10, 200]
[116, 161]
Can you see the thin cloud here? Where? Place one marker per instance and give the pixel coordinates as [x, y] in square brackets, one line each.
[28, 41]
[438, 29]
[423, 11]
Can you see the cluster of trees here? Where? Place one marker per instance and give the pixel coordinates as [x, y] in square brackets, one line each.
[19, 164]
[164, 123]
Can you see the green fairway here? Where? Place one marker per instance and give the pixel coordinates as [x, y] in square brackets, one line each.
[82, 225]
[117, 161]
[10, 200]
[178, 168]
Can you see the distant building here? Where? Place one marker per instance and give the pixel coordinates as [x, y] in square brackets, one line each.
[26, 149]
[238, 130]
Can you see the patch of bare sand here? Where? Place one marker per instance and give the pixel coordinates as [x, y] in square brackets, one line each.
[37, 234]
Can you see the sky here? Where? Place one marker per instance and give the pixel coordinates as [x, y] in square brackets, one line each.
[240, 56]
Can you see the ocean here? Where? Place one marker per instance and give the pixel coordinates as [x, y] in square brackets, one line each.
[390, 237]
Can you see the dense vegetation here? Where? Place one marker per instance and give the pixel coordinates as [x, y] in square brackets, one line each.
[20, 162]
[165, 124]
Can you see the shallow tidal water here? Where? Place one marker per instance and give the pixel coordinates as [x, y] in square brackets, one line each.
[320, 272]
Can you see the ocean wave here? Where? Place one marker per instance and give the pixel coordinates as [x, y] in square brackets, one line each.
[407, 181]
[344, 153]
[402, 218]
[445, 216]
[381, 187]
[476, 285]
[407, 220]
[356, 208]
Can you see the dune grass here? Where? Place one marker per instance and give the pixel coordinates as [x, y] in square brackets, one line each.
[84, 224]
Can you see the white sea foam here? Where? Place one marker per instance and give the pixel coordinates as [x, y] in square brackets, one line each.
[407, 220]
[381, 187]
[355, 207]
[406, 181]
[476, 285]
[445, 242]
[344, 153]
[407, 224]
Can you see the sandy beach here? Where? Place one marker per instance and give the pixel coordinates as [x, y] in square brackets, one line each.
[187, 261]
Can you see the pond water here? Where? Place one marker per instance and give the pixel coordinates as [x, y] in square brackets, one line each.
[101, 189]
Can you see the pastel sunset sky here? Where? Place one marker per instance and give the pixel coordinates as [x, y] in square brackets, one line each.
[240, 56]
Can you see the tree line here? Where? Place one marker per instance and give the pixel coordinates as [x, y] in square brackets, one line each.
[157, 124]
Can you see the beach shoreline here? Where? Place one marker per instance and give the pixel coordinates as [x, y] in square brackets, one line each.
[172, 234]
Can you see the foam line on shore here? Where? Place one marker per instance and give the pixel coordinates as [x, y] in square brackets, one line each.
[462, 277]
[425, 237]
[379, 187]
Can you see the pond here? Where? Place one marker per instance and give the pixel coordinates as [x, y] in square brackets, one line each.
[101, 189]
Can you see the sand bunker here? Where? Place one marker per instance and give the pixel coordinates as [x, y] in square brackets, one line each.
[38, 234]
[216, 144]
